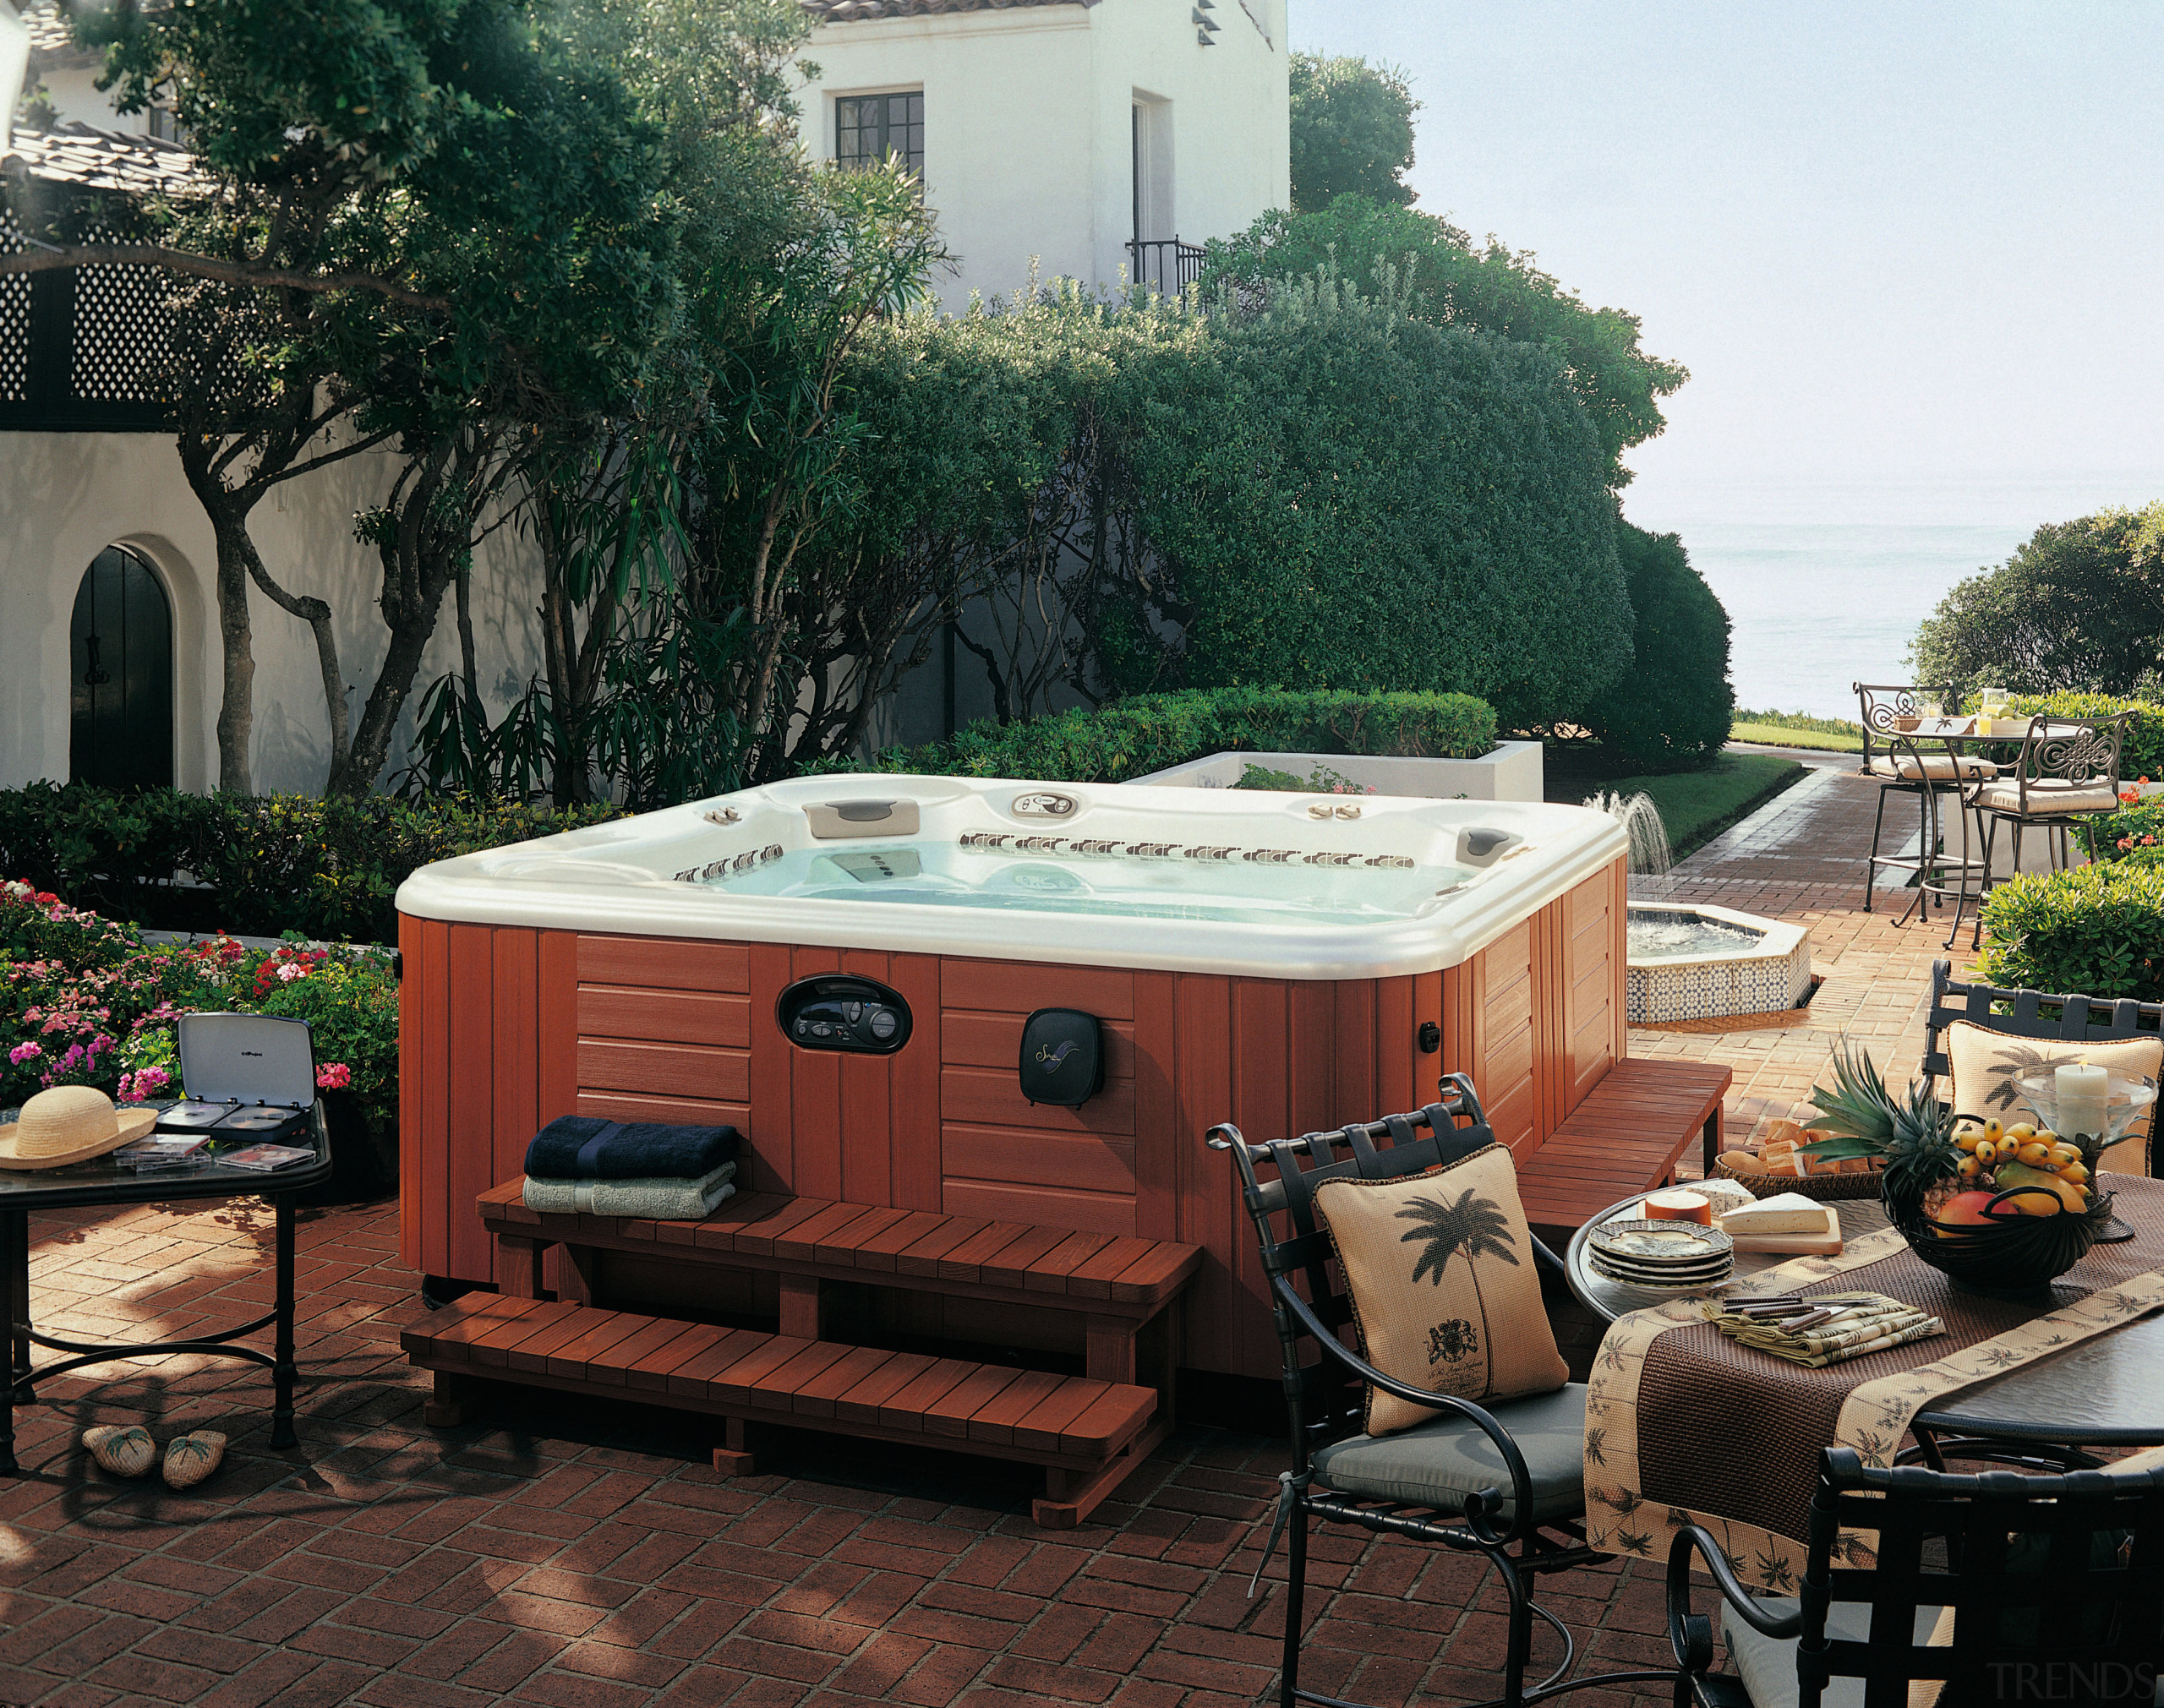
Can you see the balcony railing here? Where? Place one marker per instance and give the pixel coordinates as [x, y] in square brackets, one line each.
[1165, 264]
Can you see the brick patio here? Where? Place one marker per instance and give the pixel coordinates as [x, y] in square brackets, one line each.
[603, 1562]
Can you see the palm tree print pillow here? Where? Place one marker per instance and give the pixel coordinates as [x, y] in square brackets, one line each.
[1988, 1068]
[1445, 1293]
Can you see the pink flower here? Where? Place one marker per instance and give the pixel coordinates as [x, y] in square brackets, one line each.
[23, 1052]
[291, 971]
[2126, 842]
[334, 1075]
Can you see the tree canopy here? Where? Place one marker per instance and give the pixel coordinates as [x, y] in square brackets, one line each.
[1352, 131]
[1446, 279]
[2079, 605]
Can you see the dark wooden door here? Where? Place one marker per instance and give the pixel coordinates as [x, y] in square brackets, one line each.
[120, 675]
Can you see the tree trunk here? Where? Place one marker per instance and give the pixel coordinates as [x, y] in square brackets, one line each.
[237, 702]
[402, 663]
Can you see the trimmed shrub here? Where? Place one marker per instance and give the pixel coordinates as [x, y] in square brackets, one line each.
[2097, 931]
[1149, 731]
[272, 864]
[1672, 709]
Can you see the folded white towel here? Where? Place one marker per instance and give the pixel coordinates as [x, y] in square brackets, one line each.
[656, 1200]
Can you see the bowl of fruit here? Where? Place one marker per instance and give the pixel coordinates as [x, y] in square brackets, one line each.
[1999, 1209]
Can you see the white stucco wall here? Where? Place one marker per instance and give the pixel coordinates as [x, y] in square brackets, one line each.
[1028, 150]
[65, 497]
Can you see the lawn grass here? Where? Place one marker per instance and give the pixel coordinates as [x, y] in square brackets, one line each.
[1797, 729]
[1696, 805]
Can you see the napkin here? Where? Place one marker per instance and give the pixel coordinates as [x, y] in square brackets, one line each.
[1858, 1323]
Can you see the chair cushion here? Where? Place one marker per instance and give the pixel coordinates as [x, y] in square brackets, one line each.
[2046, 798]
[1767, 1664]
[1937, 767]
[1440, 1271]
[1439, 1464]
[1987, 1064]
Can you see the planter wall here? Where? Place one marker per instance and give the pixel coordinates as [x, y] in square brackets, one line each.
[1509, 770]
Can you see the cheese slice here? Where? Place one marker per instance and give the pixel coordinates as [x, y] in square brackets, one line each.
[1790, 1213]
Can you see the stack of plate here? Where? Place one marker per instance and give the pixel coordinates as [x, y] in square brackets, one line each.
[1662, 1256]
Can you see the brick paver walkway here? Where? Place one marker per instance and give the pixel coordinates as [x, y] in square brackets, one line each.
[561, 1552]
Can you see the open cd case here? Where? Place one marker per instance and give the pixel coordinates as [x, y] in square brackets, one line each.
[249, 1077]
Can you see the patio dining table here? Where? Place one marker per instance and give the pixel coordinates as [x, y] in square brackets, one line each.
[1958, 738]
[1684, 1425]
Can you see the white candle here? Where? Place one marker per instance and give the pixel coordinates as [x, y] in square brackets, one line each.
[2084, 1092]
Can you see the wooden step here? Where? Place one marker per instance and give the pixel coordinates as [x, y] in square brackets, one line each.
[1101, 1273]
[1625, 1137]
[1088, 1434]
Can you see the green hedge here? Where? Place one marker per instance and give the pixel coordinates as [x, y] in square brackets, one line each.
[272, 864]
[1671, 710]
[1149, 732]
[2142, 754]
[2097, 931]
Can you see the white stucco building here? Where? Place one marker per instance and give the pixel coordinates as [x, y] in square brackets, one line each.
[1050, 133]
[1056, 134]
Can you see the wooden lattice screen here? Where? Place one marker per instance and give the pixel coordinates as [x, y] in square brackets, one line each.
[78, 349]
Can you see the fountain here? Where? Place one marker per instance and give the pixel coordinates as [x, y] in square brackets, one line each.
[1688, 961]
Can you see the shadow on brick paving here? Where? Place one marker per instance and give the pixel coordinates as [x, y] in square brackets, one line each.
[568, 1551]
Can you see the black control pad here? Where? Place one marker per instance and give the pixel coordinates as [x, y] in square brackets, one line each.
[838, 1012]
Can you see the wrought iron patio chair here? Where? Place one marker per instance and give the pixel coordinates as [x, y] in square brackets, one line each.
[1892, 709]
[1505, 1480]
[2069, 1018]
[2056, 1578]
[2069, 770]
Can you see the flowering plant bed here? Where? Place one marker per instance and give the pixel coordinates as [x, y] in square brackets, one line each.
[85, 1001]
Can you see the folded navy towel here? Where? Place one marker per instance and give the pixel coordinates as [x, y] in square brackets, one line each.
[581, 1147]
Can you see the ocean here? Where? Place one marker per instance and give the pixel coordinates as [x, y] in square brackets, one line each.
[1824, 585]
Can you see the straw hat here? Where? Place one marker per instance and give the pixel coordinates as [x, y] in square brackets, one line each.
[70, 1123]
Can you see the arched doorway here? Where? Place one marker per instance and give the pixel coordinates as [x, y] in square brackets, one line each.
[120, 675]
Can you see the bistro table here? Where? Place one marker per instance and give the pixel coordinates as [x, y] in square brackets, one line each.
[1950, 733]
[100, 1182]
[2108, 1391]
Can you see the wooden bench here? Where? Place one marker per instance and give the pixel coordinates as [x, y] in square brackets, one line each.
[1121, 1286]
[1088, 1435]
[1626, 1137]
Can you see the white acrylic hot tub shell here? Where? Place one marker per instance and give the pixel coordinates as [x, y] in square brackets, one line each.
[623, 876]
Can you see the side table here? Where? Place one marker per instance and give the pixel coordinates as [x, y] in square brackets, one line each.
[101, 1182]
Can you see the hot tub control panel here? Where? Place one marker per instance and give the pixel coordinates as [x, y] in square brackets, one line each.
[835, 1012]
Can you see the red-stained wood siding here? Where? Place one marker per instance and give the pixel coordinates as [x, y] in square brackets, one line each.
[504, 1029]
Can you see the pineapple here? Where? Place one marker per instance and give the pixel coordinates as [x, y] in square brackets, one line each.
[1912, 1140]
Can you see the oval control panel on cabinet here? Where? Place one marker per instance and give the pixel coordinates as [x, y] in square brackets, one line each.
[836, 1010]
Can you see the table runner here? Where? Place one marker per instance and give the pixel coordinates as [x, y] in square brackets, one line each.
[1684, 1425]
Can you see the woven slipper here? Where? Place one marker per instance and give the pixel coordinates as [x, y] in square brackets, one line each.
[125, 1450]
[189, 1458]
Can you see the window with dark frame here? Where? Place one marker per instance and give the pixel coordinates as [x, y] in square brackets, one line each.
[868, 128]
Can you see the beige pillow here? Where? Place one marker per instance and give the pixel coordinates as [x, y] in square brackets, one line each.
[1986, 1063]
[1440, 1270]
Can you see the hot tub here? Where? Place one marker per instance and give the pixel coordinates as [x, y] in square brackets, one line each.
[1287, 961]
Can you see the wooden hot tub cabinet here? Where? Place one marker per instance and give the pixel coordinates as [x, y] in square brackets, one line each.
[503, 1027]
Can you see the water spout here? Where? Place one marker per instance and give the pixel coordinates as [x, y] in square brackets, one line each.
[1647, 859]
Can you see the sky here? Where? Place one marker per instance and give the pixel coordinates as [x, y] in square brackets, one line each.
[1912, 255]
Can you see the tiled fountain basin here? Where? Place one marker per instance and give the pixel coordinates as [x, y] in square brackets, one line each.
[1763, 965]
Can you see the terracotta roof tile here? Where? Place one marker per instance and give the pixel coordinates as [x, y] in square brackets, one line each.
[51, 40]
[101, 160]
[860, 11]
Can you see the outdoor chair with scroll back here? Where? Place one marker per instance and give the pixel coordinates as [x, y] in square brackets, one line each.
[1501, 1478]
[2007, 1587]
[2067, 770]
[1893, 709]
